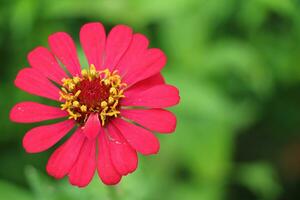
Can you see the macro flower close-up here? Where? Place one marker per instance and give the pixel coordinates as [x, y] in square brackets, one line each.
[150, 100]
[109, 110]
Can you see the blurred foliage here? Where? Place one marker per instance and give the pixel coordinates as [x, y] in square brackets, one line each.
[237, 65]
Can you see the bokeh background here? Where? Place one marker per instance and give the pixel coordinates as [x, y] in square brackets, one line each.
[237, 65]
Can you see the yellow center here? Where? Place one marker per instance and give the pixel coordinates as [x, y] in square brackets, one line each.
[92, 92]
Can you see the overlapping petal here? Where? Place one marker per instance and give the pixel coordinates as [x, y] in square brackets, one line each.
[63, 158]
[139, 138]
[117, 43]
[92, 126]
[83, 170]
[106, 170]
[149, 64]
[123, 157]
[63, 46]
[133, 55]
[146, 84]
[42, 59]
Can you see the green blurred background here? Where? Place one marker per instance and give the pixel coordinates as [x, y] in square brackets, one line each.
[237, 65]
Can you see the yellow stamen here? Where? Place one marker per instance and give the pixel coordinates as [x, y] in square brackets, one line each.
[76, 104]
[76, 79]
[107, 107]
[113, 90]
[84, 73]
[111, 100]
[77, 93]
[83, 108]
[103, 104]
[64, 90]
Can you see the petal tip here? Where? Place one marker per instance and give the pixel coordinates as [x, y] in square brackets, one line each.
[112, 182]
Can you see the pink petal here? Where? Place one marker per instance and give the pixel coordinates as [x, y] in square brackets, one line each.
[106, 169]
[43, 60]
[159, 120]
[133, 55]
[28, 112]
[139, 138]
[118, 41]
[31, 81]
[63, 46]
[159, 96]
[43, 137]
[124, 158]
[92, 38]
[148, 83]
[150, 64]
[64, 157]
[83, 170]
[92, 126]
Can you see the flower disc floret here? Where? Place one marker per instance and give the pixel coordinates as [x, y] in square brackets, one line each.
[92, 92]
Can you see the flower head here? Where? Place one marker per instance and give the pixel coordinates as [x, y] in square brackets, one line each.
[114, 105]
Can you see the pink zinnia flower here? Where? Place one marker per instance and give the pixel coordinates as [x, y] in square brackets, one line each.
[114, 106]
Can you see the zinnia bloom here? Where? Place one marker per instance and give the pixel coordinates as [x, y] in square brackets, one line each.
[114, 105]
